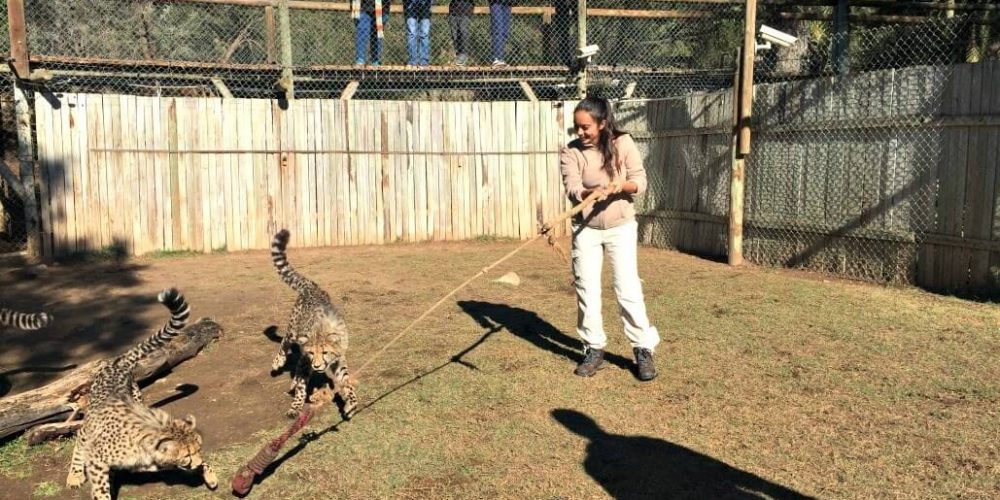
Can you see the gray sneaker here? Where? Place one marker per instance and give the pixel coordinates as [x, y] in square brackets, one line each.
[593, 361]
[644, 359]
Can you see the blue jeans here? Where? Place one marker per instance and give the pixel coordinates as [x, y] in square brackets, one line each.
[367, 35]
[499, 28]
[418, 40]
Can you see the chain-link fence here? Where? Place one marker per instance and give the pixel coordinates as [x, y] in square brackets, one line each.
[842, 176]
[423, 49]
[13, 233]
[855, 131]
[846, 138]
[474, 51]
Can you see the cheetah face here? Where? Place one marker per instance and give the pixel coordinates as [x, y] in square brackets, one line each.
[322, 352]
[180, 445]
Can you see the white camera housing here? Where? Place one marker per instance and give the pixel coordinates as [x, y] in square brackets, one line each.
[777, 37]
[587, 52]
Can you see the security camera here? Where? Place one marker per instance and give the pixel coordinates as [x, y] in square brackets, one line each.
[778, 37]
[587, 52]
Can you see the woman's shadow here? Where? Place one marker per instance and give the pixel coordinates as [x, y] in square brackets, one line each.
[640, 467]
[529, 326]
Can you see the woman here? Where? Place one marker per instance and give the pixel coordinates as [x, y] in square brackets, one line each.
[606, 160]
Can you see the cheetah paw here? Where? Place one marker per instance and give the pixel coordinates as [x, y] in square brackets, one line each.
[75, 480]
[211, 480]
[348, 412]
[277, 364]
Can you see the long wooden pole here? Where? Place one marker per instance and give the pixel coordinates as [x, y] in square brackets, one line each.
[270, 29]
[516, 10]
[744, 102]
[285, 28]
[734, 237]
[746, 75]
[581, 32]
[18, 37]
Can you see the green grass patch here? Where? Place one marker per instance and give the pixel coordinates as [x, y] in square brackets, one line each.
[46, 489]
[166, 254]
[16, 459]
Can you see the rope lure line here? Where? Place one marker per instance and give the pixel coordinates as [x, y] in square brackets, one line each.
[243, 480]
[545, 230]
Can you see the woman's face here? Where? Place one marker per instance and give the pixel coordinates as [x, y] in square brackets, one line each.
[587, 129]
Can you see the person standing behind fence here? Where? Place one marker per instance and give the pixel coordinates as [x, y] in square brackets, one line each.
[459, 17]
[370, 17]
[418, 31]
[606, 160]
[500, 14]
[563, 19]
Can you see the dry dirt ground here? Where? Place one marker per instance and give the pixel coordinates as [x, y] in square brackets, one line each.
[772, 382]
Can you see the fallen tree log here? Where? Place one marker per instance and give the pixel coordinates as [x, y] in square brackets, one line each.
[54, 401]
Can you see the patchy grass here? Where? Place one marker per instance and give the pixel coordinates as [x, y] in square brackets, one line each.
[15, 459]
[489, 238]
[46, 489]
[778, 383]
[166, 254]
[115, 252]
[18, 460]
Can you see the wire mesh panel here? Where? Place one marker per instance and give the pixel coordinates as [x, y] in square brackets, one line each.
[847, 146]
[668, 48]
[13, 233]
[686, 142]
[842, 176]
[416, 49]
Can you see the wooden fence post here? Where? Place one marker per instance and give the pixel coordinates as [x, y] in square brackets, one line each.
[745, 87]
[271, 36]
[744, 103]
[18, 37]
[285, 29]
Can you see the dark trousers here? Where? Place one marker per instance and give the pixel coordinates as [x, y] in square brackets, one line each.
[459, 33]
[499, 29]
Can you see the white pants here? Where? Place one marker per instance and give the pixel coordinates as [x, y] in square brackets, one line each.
[621, 244]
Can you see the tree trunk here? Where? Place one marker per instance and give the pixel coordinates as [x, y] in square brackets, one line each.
[793, 61]
[146, 37]
[52, 401]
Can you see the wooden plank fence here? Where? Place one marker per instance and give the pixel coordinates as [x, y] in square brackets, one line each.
[687, 150]
[154, 174]
[888, 175]
[963, 252]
